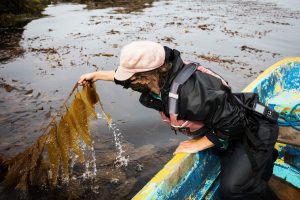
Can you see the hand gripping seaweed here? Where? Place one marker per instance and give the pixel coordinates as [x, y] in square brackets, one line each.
[48, 160]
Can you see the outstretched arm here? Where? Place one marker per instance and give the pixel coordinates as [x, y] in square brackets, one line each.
[95, 76]
[193, 146]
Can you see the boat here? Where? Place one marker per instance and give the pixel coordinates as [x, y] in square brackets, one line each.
[197, 176]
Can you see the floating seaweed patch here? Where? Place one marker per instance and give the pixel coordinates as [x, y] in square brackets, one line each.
[48, 160]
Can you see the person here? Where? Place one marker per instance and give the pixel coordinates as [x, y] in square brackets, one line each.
[199, 103]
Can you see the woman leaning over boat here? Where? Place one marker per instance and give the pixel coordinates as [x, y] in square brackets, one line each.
[197, 102]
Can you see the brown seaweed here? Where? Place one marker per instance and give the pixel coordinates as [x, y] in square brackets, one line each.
[54, 154]
[62, 140]
[79, 115]
[74, 138]
[23, 167]
[89, 100]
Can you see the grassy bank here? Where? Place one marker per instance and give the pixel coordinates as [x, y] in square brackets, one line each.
[16, 12]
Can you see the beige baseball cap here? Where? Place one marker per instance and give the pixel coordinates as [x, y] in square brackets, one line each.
[139, 56]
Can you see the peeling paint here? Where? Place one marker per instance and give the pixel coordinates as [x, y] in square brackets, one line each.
[279, 88]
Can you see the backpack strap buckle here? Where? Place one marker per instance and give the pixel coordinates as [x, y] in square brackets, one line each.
[180, 79]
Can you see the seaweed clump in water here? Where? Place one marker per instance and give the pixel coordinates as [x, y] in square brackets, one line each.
[48, 160]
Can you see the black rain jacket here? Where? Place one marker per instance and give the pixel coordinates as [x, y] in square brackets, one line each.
[204, 98]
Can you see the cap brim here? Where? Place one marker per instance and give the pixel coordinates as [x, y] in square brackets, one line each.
[122, 74]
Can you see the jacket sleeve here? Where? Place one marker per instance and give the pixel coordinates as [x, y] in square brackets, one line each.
[200, 97]
[214, 139]
[204, 98]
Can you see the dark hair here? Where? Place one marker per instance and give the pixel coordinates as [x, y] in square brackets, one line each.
[161, 72]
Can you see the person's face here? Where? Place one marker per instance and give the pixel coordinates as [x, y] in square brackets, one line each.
[139, 84]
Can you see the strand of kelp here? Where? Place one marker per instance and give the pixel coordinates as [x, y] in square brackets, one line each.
[60, 140]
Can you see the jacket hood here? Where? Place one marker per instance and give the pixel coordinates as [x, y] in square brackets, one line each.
[172, 56]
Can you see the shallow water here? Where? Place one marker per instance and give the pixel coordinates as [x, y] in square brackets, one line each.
[238, 39]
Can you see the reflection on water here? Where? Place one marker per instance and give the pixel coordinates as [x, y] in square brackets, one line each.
[9, 43]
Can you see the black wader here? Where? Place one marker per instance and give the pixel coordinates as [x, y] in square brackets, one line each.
[239, 180]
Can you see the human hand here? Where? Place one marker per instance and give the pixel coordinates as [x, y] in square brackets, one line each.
[188, 146]
[86, 77]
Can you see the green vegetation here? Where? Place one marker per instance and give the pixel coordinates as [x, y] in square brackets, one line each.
[15, 12]
[22, 7]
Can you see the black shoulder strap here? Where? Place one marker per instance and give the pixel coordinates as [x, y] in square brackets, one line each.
[180, 79]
